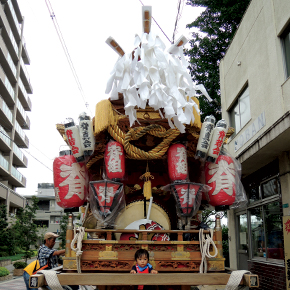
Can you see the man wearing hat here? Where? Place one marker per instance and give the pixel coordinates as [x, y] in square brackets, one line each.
[47, 254]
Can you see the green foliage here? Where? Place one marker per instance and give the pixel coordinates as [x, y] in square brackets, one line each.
[4, 272]
[7, 240]
[41, 230]
[25, 229]
[217, 26]
[225, 238]
[19, 265]
[63, 226]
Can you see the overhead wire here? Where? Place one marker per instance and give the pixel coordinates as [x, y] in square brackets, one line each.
[178, 16]
[67, 54]
[25, 150]
[158, 25]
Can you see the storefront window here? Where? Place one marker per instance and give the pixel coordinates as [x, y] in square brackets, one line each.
[270, 188]
[257, 230]
[274, 231]
[254, 194]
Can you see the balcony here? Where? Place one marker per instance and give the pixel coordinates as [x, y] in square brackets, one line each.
[16, 178]
[15, 199]
[7, 92]
[25, 54]
[21, 116]
[19, 159]
[7, 62]
[25, 77]
[12, 19]
[17, 11]
[20, 137]
[5, 142]
[23, 96]
[4, 166]
[8, 36]
[5, 115]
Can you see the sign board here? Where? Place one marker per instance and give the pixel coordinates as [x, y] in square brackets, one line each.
[286, 232]
[250, 132]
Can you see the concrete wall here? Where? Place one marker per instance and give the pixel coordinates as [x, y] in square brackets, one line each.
[258, 48]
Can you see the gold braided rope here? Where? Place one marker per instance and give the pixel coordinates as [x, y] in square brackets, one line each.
[93, 160]
[134, 134]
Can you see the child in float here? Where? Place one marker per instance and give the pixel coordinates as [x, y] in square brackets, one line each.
[142, 266]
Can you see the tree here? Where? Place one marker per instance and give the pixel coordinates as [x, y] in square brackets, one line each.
[217, 26]
[7, 241]
[25, 229]
[63, 226]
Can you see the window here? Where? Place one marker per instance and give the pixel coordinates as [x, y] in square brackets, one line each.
[41, 223]
[264, 214]
[43, 204]
[266, 220]
[286, 45]
[240, 113]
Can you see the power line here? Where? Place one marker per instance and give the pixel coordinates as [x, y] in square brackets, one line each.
[25, 151]
[158, 25]
[178, 16]
[65, 49]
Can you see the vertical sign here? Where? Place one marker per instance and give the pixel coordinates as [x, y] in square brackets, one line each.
[286, 231]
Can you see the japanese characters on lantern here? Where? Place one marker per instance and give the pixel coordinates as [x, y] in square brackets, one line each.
[177, 162]
[221, 178]
[107, 195]
[205, 137]
[86, 134]
[218, 137]
[70, 182]
[115, 160]
[74, 140]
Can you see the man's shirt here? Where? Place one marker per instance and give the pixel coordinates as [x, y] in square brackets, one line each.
[46, 253]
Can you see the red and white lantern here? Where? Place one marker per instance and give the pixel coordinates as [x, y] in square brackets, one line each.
[115, 160]
[73, 136]
[177, 162]
[221, 178]
[70, 181]
[107, 194]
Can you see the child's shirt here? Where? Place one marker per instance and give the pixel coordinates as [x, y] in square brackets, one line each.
[147, 269]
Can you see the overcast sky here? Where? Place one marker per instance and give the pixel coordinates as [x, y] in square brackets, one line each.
[85, 26]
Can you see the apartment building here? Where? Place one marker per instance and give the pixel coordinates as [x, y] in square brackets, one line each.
[255, 94]
[15, 88]
[49, 213]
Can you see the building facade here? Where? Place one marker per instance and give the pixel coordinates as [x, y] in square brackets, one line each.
[49, 213]
[15, 88]
[255, 94]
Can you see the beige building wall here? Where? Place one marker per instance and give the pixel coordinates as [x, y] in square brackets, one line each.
[255, 59]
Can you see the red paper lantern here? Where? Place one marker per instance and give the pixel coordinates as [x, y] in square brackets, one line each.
[70, 181]
[186, 194]
[220, 176]
[107, 195]
[115, 160]
[177, 162]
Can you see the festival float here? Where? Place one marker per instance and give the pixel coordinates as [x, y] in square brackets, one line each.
[142, 170]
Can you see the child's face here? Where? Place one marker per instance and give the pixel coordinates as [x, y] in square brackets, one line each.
[142, 261]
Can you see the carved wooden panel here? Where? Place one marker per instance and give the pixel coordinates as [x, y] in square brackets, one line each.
[177, 265]
[106, 265]
[120, 247]
[162, 248]
[93, 247]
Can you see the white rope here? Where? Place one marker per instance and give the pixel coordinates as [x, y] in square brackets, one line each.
[205, 240]
[51, 279]
[235, 279]
[78, 239]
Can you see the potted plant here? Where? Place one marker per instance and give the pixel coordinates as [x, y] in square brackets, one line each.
[18, 268]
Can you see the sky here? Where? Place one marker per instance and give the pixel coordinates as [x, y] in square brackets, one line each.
[85, 26]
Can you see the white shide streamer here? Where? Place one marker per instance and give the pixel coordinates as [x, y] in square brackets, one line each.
[155, 76]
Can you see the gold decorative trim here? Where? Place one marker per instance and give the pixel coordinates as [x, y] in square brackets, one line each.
[180, 256]
[108, 255]
[180, 242]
